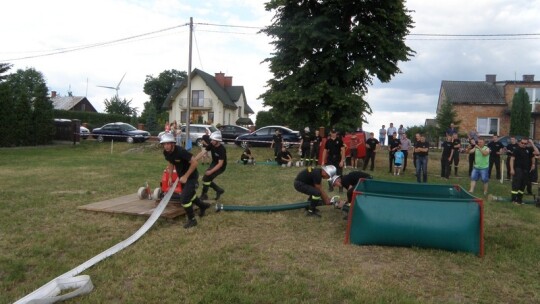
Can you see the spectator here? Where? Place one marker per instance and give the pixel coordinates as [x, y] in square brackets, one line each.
[456, 144]
[382, 135]
[390, 132]
[372, 146]
[421, 149]
[446, 157]
[393, 146]
[405, 144]
[481, 165]
[451, 130]
[473, 134]
[496, 149]
[398, 161]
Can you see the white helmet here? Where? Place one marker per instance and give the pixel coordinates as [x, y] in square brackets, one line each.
[330, 170]
[306, 129]
[334, 179]
[216, 136]
[167, 138]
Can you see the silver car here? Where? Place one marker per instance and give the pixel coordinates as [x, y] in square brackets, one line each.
[196, 132]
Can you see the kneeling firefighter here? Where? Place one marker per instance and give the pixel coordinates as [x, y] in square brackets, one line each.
[309, 182]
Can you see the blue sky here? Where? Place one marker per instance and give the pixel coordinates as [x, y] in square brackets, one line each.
[34, 27]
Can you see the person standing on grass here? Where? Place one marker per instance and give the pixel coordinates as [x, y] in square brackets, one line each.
[186, 169]
[472, 144]
[421, 149]
[390, 132]
[521, 163]
[382, 135]
[309, 182]
[217, 166]
[354, 150]
[372, 146]
[304, 147]
[398, 161]
[509, 152]
[533, 173]
[393, 146]
[456, 144]
[334, 152]
[481, 165]
[405, 144]
[277, 141]
[315, 146]
[496, 149]
[446, 157]
[415, 141]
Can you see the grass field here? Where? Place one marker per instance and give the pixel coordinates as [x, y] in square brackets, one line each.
[237, 257]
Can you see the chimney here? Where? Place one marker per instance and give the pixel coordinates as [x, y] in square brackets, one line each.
[53, 94]
[228, 81]
[528, 78]
[491, 78]
[220, 78]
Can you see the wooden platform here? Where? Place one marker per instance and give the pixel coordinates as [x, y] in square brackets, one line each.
[131, 204]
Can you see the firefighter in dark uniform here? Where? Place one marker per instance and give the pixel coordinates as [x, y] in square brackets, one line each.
[521, 163]
[349, 181]
[334, 153]
[186, 169]
[495, 156]
[218, 165]
[315, 148]
[305, 147]
[309, 182]
[509, 151]
[277, 141]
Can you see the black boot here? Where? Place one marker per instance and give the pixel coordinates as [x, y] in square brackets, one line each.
[202, 206]
[204, 195]
[191, 222]
[313, 211]
[218, 190]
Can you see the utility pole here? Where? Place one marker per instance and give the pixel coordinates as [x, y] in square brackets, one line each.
[189, 82]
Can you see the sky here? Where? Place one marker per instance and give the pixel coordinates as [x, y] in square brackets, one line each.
[145, 37]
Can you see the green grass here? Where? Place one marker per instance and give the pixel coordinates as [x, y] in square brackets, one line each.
[237, 257]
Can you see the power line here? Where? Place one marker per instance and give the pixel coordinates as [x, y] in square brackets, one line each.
[437, 37]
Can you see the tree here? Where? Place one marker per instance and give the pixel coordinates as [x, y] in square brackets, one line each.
[149, 116]
[328, 52]
[158, 88]
[25, 109]
[4, 67]
[117, 106]
[520, 114]
[445, 117]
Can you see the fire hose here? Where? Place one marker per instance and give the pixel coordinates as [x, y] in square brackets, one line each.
[50, 292]
[285, 207]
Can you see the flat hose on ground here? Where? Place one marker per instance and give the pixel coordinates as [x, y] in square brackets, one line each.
[271, 208]
[81, 284]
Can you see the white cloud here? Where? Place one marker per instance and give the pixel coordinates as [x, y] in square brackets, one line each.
[409, 98]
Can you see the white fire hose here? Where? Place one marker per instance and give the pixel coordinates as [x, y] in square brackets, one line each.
[50, 292]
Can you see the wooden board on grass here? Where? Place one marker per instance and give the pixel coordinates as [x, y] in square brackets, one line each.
[131, 204]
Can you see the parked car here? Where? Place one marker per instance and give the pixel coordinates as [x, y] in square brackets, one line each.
[84, 132]
[196, 132]
[120, 131]
[230, 132]
[263, 137]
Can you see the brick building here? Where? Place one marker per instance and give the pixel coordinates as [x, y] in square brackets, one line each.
[485, 105]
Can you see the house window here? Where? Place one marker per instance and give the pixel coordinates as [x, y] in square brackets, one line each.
[211, 117]
[183, 116]
[487, 125]
[197, 98]
[239, 111]
[534, 94]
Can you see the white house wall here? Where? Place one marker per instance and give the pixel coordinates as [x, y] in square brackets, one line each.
[221, 115]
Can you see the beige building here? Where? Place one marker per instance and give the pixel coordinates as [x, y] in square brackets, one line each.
[214, 100]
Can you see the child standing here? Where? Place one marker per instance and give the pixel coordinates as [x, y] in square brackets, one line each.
[398, 161]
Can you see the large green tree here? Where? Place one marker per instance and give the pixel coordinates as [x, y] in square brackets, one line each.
[520, 114]
[25, 109]
[159, 87]
[445, 117]
[326, 54]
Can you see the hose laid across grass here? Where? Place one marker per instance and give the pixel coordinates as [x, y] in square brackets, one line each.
[271, 208]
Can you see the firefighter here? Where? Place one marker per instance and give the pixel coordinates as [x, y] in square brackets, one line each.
[186, 169]
[217, 166]
[309, 182]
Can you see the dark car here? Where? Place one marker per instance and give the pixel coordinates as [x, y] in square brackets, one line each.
[120, 131]
[263, 137]
[230, 132]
